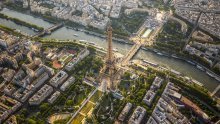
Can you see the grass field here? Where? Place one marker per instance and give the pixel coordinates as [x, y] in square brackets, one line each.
[87, 108]
[78, 119]
[96, 96]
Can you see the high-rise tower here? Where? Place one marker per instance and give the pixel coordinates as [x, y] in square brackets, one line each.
[108, 71]
[109, 39]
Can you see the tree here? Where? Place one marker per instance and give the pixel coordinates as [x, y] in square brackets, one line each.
[44, 107]
[20, 119]
[24, 112]
[69, 102]
[31, 121]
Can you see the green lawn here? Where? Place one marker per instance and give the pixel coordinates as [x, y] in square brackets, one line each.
[83, 93]
[78, 119]
[128, 24]
[105, 110]
[96, 96]
[87, 108]
[171, 39]
[80, 98]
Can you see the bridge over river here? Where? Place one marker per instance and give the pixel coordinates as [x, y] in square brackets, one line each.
[48, 30]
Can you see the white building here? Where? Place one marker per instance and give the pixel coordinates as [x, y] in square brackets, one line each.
[137, 115]
[149, 97]
[58, 78]
[157, 82]
[66, 84]
[54, 97]
[71, 64]
[41, 95]
[151, 121]
[84, 53]
[125, 111]
[40, 80]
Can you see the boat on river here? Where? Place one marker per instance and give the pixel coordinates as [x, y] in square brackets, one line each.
[144, 48]
[150, 63]
[35, 30]
[155, 50]
[174, 56]
[210, 74]
[200, 68]
[75, 35]
[197, 82]
[101, 48]
[190, 62]
[161, 54]
[92, 43]
[82, 41]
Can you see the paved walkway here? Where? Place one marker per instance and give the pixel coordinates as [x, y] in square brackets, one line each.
[83, 104]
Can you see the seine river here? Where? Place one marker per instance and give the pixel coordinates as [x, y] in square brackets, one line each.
[65, 33]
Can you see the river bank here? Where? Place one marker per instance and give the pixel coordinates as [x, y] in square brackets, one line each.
[100, 35]
[23, 23]
[192, 62]
[55, 20]
[69, 34]
[161, 66]
[28, 18]
[39, 16]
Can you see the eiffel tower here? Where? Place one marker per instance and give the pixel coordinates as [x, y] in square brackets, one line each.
[109, 69]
